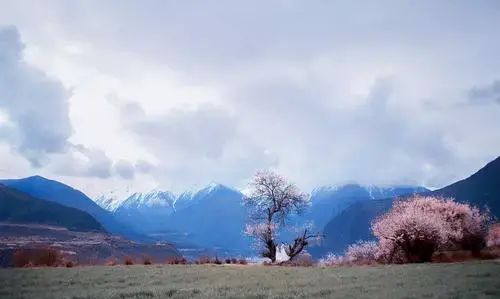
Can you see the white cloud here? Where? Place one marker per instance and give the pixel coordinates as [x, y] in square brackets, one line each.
[180, 94]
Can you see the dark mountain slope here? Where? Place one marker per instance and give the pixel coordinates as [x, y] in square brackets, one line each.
[481, 189]
[18, 207]
[50, 190]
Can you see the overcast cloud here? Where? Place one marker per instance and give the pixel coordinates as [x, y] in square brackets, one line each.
[128, 94]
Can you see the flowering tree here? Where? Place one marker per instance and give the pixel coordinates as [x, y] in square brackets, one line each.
[493, 238]
[414, 229]
[363, 252]
[271, 201]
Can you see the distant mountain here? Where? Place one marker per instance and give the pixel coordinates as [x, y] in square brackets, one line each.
[212, 217]
[146, 212]
[50, 190]
[328, 201]
[110, 201]
[482, 189]
[20, 208]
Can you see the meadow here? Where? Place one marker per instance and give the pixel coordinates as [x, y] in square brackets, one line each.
[478, 279]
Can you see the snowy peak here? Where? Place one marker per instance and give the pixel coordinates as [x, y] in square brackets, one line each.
[112, 200]
[364, 191]
[190, 197]
[152, 199]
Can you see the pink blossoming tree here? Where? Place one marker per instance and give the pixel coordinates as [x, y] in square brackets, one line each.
[415, 228]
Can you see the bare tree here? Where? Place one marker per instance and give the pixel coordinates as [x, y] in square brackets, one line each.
[271, 201]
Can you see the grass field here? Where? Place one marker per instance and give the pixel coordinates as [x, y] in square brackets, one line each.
[461, 280]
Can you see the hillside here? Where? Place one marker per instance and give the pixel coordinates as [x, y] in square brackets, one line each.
[81, 247]
[50, 190]
[482, 189]
[18, 207]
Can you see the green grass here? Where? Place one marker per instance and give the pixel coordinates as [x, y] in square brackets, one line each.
[460, 280]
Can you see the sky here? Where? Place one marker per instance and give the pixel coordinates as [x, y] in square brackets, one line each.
[133, 95]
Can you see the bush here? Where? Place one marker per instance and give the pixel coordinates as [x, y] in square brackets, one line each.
[69, 264]
[234, 260]
[363, 252]
[47, 257]
[242, 261]
[147, 260]
[217, 261]
[416, 228]
[333, 260]
[22, 258]
[202, 260]
[112, 261]
[302, 260]
[128, 260]
[228, 261]
[36, 257]
[493, 238]
[176, 261]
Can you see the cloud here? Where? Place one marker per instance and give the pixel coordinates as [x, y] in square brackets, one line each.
[81, 161]
[36, 105]
[192, 145]
[323, 92]
[485, 94]
[125, 169]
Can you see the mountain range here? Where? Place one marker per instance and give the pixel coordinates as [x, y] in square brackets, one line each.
[213, 218]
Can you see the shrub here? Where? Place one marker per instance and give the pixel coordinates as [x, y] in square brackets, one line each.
[203, 260]
[493, 238]
[234, 260]
[128, 260]
[332, 259]
[37, 257]
[228, 261]
[147, 260]
[176, 261]
[242, 261]
[217, 261]
[363, 252]
[21, 258]
[47, 257]
[414, 229]
[112, 261]
[301, 260]
[69, 264]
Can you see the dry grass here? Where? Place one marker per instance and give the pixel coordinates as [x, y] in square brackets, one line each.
[478, 279]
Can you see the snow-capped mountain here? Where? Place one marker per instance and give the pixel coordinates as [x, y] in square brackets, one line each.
[213, 216]
[113, 199]
[190, 197]
[329, 201]
[153, 199]
[208, 217]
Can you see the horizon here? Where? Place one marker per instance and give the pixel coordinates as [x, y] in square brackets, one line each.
[173, 96]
